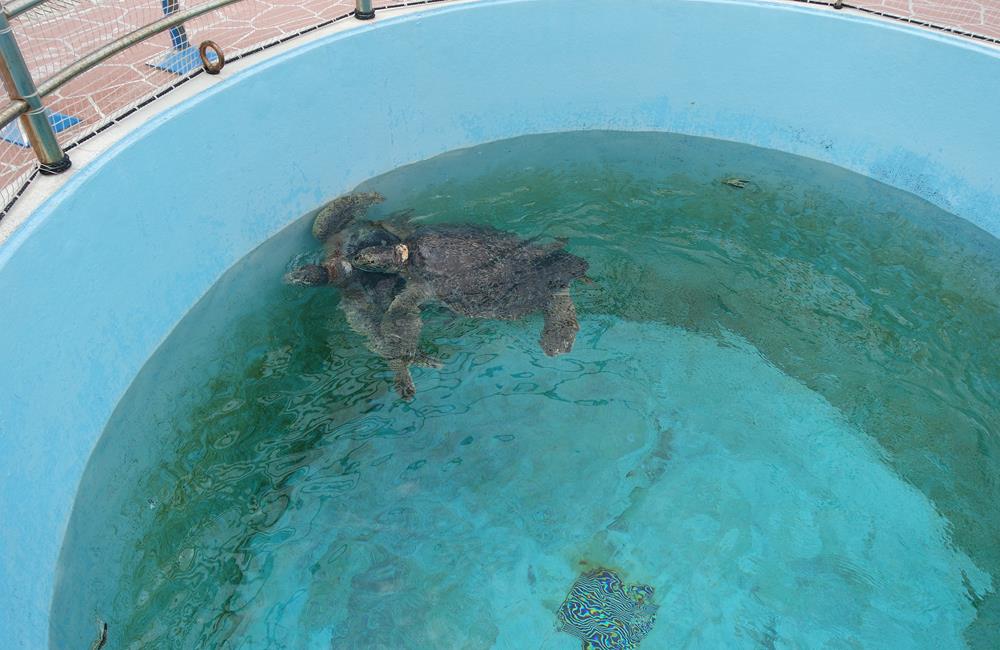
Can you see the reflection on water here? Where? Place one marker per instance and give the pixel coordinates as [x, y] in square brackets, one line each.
[780, 414]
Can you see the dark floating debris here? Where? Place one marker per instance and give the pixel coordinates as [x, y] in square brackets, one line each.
[605, 613]
[102, 636]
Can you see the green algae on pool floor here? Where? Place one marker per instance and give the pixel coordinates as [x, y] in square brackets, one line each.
[781, 413]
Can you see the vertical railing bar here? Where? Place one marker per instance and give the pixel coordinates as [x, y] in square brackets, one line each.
[363, 10]
[35, 121]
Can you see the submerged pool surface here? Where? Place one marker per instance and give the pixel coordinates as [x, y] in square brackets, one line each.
[780, 414]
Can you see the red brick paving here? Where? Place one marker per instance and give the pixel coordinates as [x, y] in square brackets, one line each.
[55, 34]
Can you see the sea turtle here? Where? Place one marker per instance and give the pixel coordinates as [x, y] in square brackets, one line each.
[365, 296]
[474, 271]
[605, 613]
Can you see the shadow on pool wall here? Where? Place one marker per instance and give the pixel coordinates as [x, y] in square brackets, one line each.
[155, 222]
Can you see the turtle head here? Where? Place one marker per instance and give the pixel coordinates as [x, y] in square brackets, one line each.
[382, 259]
[313, 275]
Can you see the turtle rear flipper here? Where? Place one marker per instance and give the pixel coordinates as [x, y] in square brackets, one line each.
[403, 380]
[424, 360]
[561, 325]
[558, 244]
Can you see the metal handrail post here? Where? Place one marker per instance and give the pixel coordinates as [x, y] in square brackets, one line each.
[363, 10]
[20, 86]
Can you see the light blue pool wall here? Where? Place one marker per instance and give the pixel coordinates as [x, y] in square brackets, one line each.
[99, 276]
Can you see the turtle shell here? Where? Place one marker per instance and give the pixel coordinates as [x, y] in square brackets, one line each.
[486, 273]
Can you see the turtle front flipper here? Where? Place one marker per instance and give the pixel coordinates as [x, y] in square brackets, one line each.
[363, 317]
[400, 329]
[561, 324]
[310, 275]
[338, 213]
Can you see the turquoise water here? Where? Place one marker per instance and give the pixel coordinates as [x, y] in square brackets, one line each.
[781, 413]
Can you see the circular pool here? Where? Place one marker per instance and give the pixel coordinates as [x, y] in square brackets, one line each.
[102, 273]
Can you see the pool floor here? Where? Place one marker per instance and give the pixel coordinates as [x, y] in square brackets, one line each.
[768, 417]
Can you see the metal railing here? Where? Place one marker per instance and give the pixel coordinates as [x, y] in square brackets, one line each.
[48, 47]
[26, 98]
[27, 104]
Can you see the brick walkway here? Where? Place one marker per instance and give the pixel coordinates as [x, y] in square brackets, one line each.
[58, 32]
